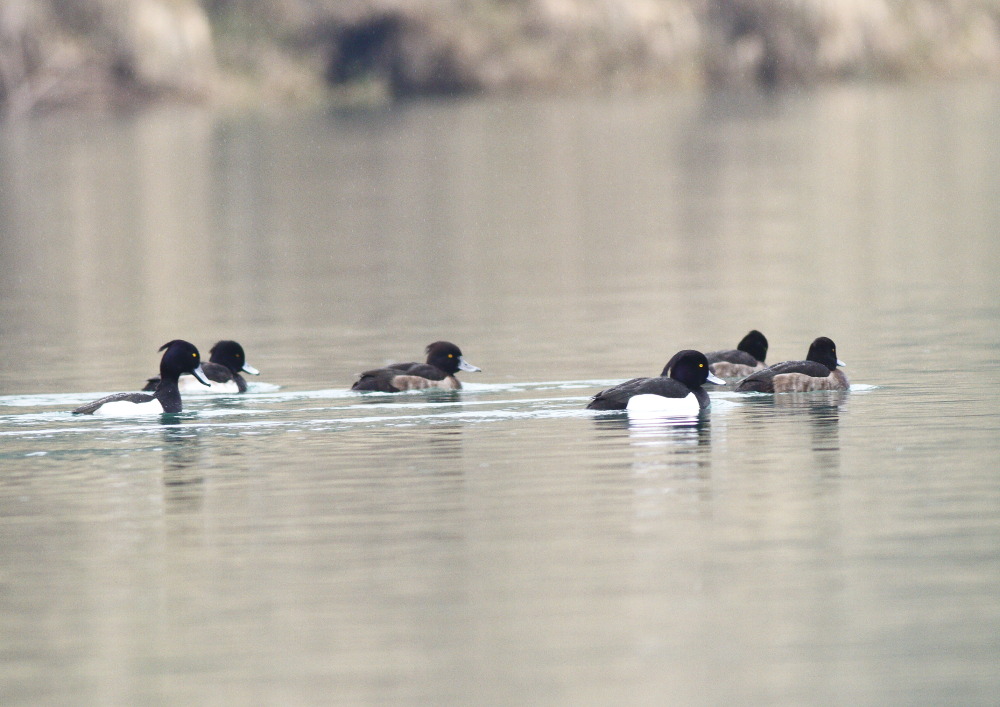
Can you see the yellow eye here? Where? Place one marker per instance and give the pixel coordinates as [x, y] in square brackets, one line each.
[701, 365]
[194, 355]
[451, 355]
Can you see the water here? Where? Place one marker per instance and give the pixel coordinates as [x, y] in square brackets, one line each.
[501, 545]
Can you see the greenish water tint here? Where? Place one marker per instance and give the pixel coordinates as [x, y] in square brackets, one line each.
[302, 544]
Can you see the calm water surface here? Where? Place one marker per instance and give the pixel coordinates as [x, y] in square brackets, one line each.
[501, 545]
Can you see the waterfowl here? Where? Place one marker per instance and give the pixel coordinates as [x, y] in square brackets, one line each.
[226, 361]
[677, 391]
[179, 357]
[444, 360]
[747, 357]
[817, 372]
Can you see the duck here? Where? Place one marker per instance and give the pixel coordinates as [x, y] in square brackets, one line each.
[746, 358]
[179, 357]
[226, 361]
[444, 360]
[677, 391]
[818, 372]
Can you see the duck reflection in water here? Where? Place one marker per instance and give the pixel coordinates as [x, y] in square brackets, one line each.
[670, 463]
[183, 480]
[683, 432]
[822, 411]
[428, 395]
[432, 444]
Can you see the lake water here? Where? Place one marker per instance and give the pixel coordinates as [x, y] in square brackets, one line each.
[501, 545]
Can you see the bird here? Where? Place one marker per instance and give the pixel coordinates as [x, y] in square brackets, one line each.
[444, 360]
[226, 361]
[747, 357]
[677, 391]
[179, 357]
[817, 372]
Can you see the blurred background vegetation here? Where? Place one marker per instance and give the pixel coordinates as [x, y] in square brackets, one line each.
[57, 54]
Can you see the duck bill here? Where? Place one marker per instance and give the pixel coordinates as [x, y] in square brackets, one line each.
[200, 375]
[464, 365]
[247, 368]
[712, 378]
[841, 363]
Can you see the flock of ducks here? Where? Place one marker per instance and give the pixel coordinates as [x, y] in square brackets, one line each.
[676, 391]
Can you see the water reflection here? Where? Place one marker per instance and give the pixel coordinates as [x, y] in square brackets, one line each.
[436, 448]
[445, 442]
[663, 441]
[820, 410]
[824, 418]
[696, 428]
[183, 464]
[431, 395]
[671, 458]
[235, 401]
[442, 441]
[658, 429]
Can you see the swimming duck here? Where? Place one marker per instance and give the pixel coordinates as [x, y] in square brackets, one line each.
[747, 357]
[677, 391]
[179, 357]
[226, 361]
[444, 360]
[817, 372]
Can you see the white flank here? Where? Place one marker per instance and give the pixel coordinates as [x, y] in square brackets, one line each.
[189, 385]
[657, 405]
[123, 408]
